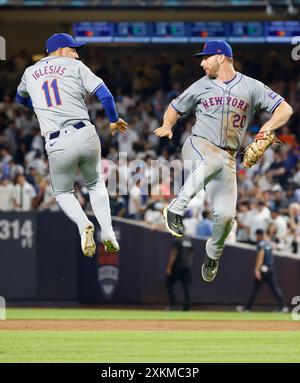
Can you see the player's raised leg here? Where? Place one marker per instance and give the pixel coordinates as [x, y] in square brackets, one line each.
[222, 191]
[63, 168]
[205, 161]
[90, 167]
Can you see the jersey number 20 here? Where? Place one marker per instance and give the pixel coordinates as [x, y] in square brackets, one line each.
[239, 121]
[46, 90]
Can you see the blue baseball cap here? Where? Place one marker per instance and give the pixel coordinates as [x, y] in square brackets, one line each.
[216, 47]
[61, 40]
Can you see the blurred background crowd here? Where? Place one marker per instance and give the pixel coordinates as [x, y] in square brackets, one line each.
[143, 84]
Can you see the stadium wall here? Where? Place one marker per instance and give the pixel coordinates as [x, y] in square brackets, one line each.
[41, 259]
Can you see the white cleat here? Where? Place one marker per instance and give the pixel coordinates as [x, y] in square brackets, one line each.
[111, 245]
[87, 241]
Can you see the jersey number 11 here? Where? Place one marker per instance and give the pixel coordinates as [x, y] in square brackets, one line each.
[46, 90]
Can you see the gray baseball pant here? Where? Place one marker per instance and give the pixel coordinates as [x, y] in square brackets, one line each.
[214, 169]
[79, 149]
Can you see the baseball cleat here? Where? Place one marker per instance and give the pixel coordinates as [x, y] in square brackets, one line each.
[174, 223]
[209, 267]
[87, 241]
[111, 245]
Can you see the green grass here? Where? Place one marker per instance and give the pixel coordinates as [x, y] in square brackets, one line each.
[149, 346]
[118, 314]
[146, 346]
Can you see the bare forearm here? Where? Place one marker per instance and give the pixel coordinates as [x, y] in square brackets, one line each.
[170, 117]
[279, 118]
[259, 260]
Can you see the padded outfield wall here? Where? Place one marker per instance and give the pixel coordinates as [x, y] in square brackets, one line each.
[41, 260]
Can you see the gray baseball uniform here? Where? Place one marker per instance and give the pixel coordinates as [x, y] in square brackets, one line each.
[57, 87]
[223, 113]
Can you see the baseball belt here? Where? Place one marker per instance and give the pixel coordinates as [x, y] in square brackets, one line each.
[56, 134]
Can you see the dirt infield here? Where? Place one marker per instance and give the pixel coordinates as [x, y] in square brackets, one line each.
[148, 325]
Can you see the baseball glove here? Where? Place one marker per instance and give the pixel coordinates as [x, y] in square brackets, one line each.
[255, 151]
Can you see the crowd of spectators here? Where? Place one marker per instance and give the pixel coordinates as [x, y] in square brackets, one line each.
[143, 86]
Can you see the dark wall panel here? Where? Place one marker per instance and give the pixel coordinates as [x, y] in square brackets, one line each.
[41, 259]
[18, 255]
[58, 242]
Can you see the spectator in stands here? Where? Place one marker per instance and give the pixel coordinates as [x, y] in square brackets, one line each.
[204, 228]
[280, 222]
[35, 159]
[245, 184]
[3, 121]
[126, 141]
[174, 92]
[161, 189]
[6, 193]
[23, 194]
[190, 222]
[154, 214]
[279, 200]
[32, 177]
[290, 241]
[187, 132]
[266, 181]
[118, 204]
[144, 87]
[27, 121]
[135, 204]
[243, 221]
[46, 197]
[290, 194]
[259, 219]
[8, 106]
[296, 176]
[294, 215]
[278, 170]
[272, 235]
[287, 137]
[5, 155]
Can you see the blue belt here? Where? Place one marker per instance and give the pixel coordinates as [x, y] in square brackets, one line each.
[56, 134]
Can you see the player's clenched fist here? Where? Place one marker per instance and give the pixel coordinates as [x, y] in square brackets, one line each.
[118, 126]
[164, 132]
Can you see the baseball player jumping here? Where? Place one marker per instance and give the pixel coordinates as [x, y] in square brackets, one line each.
[55, 88]
[224, 102]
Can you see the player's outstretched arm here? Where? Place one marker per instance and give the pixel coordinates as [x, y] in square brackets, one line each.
[266, 135]
[170, 119]
[279, 118]
[118, 126]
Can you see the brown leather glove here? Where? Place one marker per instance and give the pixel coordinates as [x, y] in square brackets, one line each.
[255, 151]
